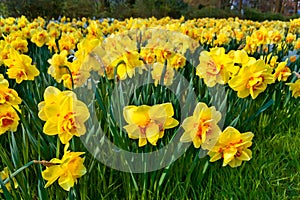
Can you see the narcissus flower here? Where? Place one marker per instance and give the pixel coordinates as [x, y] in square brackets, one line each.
[147, 123]
[252, 79]
[9, 119]
[67, 170]
[215, 67]
[63, 113]
[7, 95]
[40, 37]
[157, 70]
[177, 61]
[20, 67]
[127, 64]
[232, 146]
[4, 175]
[58, 65]
[282, 71]
[295, 88]
[202, 127]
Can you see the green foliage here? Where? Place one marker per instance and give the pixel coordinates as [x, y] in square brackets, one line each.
[125, 9]
[34, 8]
[146, 9]
[210, 12]
[256, 15]
[80, 8]
[52, 9]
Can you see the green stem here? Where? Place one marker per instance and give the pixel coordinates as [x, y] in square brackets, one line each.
[18, 171]
[42, 162]
[57, 147]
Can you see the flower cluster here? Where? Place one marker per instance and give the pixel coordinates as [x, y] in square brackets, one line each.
[148, 123]
[9, 105]
[243, 73]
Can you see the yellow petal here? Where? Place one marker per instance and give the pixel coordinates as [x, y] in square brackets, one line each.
[189, 123]
[51, 174]
[152, 133]
[50, 128]
[197, 142]
[235, 163]
[185, 137]
[66, 181]
[65, 137]
[246, 154]
[51, 93]
[228, 156]
[133, 131]
[128, 113]
[171, 123]
[142, 141]
[215, 157]
[199, 109]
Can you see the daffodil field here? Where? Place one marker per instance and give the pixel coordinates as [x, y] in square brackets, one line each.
[149, 109]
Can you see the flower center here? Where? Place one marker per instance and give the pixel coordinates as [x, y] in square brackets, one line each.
[6, 120]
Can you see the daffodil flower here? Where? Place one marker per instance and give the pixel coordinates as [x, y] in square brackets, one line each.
[295, 88]
[232, 146]
[252, 79]
[19, 67]
[9, 119]
[202, 127]
[67, 170]
[147, 123]
[215, 67]
[4, 175]
[63, 113]
[157, 71]
[282, 71]
[7, 95]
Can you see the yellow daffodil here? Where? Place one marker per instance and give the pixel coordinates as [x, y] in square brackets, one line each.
[20, 67]
[127, 64]
[290, 38]
[177, 61]
[67, 42]
[252, 79]
[297, 44]
[79, 74]
[147, 55]
[241, 58]
[20, 45]
[4, 175]
[282, 71]
[147, 123]
[52, 46]
[67, 170]
[232, 146]
[295, 88]
[260, 36]
[58, 65]
[215, 67]
[202, 127]
[9, 119]
[40, 37]
[157, 70]
[7, 95]
[63, 113]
